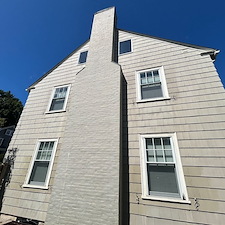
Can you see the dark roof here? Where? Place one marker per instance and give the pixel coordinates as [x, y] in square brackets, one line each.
[210, 51]
[171, 41]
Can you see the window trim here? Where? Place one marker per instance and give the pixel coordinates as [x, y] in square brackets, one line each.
[131, 46]
[163, 85]
[65, 102]
[178, 165]
[51, 162]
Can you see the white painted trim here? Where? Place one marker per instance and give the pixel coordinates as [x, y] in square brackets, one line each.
[178, 167]
[131, 45]
[65, 102]
[51, 161]
[163, 85]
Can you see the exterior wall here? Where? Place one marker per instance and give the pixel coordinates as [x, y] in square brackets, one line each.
[35, 124]
[195, 112]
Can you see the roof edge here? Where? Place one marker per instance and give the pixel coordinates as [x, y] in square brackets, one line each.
[172, 41]
[54, 67]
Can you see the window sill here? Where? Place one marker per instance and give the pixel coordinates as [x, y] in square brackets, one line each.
[153, 100]
[56, 111]
[165, 199]
[35, 186]
[125, 53]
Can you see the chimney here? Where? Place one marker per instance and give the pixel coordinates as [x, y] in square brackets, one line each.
[86, 184]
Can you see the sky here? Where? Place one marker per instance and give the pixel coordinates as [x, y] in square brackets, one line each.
[36, 34]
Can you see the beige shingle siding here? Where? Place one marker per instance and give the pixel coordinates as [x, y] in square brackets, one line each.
[36, 124]
[196, 112]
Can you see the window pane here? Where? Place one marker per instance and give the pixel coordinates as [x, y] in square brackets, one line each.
[46, 145]
[39, 173]
[159, 156]
[149, 144]
[168, 155]
[166, 143]
[151, 91]
[125, 46]
[51, 145]
[83, 57]
[41, 145]
[43, 155]
[162, 178]
[150, 156]
[38, 155]
[157, 143]
[57, 104]
[143, 79]
[149, 77]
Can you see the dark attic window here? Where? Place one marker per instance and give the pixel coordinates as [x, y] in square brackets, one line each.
[83, 57]
[125, 46]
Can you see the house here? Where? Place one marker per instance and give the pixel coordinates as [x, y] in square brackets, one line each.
[128, 129]
[6, 134]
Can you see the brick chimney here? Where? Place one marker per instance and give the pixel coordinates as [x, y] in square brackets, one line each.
[86, 185]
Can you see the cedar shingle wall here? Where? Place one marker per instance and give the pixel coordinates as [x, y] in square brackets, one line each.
[34, 124]
[196, 112]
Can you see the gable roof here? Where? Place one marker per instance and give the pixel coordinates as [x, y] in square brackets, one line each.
[54, 67]
[170, 41]
[208, 51]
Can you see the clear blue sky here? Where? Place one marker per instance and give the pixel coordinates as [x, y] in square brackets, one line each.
[37, 34]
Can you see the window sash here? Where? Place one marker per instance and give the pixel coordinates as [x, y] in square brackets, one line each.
[41, 164]
[177, 189]
[83, 57]
[125, 47]
[151, 84]
[59, 98]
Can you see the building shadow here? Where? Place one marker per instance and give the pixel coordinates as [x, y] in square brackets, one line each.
[124, 162]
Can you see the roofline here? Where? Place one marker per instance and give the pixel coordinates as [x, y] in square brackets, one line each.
[53, 68]
[174, 42]
[3, 128]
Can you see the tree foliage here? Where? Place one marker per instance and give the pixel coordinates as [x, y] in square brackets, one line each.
[10, 109]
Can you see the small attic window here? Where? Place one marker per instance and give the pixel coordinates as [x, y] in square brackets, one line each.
[125, 46]
[83, 57]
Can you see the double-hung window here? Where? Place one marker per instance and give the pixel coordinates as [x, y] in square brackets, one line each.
[59, 98]
[162, 174]
[151, 84]
[41, 165]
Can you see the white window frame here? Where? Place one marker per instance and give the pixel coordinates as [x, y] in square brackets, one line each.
[52, 96]
[51, 161]
[162, 81]
[178, 168]
[131, 44]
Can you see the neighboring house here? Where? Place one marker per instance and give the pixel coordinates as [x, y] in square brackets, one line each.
[131, 138]
[6, 134]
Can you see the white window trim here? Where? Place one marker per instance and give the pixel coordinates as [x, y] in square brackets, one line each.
[45, 186]
[131, 44]
[179, 170]
[163, 85]
[65, 102]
